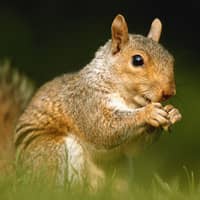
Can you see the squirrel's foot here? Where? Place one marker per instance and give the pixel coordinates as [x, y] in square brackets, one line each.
[174, 116]
[156, 115]
[96, 177]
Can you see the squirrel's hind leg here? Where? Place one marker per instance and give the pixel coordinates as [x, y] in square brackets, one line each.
[44, 159]
[60, 159]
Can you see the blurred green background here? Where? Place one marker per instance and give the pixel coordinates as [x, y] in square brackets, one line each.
[46, 38]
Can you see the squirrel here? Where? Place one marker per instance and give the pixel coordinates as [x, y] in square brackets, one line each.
[105, 110]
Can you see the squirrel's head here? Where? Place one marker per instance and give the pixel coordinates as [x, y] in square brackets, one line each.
[145, 68]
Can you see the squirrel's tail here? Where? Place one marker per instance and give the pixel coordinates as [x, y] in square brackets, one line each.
[15, 92]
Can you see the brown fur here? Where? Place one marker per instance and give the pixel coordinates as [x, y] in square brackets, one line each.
[15, 92]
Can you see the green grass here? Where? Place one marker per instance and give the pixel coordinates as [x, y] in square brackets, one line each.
[14, 188]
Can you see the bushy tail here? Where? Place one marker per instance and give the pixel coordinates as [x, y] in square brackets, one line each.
[15, 92]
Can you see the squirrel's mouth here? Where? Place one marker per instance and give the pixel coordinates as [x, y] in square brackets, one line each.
[148, 100]
[142, 100]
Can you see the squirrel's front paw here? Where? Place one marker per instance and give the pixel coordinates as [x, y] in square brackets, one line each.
[155, 115]
[173, 114]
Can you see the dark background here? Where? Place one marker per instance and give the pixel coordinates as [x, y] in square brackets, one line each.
[47, 38]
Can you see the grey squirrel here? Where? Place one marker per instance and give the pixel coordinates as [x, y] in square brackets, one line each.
[107, 109]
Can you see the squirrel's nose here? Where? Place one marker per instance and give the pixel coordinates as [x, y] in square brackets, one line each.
[167, 94]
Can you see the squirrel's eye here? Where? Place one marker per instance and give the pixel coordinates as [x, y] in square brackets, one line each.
[137, 60]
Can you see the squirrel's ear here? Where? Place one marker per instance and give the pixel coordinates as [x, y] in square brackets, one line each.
[155, 30]
[119, 31]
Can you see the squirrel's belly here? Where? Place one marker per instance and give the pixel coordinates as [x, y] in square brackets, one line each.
[142, 138]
